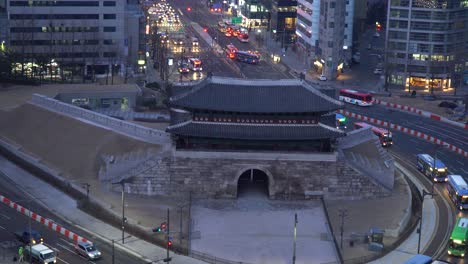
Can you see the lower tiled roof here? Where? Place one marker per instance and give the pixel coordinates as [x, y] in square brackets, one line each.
[254, 131]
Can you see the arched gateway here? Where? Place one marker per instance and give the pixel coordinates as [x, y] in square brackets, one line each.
[254, 181]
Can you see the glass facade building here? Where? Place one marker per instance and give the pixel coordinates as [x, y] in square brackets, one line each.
[426, 43]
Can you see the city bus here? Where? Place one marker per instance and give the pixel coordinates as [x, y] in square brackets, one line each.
[458, 191]
[340, 121]
[195, 64]
[425, 164]
[231, 51]
[247, 57]
[385, 136]
[355, 97]
[457, 242]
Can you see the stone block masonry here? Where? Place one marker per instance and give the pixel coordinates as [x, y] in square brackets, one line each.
[290, 176]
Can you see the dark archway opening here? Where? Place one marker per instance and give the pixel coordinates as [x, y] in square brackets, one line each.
[252, 182]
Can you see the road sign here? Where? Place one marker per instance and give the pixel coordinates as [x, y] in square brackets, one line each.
[236, 20]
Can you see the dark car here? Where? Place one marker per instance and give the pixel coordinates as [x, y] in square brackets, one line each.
[34, 238]
[447, 104]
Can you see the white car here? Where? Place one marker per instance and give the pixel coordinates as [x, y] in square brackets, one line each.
[87, 250]
[322, 78]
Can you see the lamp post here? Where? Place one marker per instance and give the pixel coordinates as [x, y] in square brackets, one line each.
[424, 193]
[294, 243]
[122, 183]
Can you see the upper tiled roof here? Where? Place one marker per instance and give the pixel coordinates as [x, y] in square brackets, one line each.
[254, 131]
[254, 96]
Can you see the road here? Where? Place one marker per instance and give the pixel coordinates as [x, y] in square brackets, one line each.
[12, 221]
[201, 14]
[406, 148]
[457, 136]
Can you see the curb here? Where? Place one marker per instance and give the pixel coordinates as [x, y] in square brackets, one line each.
[407, 216]
[421, 113]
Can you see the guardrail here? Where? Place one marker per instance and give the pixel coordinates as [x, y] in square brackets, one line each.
[212, 259]
[116, 125]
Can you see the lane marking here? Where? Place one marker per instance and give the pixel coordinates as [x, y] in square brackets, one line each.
[66, 248]
[63, 260]
[5, 216]
[67, 242]
[2, 228]
[180, 11]
[461, 163]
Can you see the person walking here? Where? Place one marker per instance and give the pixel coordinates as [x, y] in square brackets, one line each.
[21, 254]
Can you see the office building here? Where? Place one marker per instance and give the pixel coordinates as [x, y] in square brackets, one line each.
[427, 44]
[63, 39]
[283, 21]
[325, 33]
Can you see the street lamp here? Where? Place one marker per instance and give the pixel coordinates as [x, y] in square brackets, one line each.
[122, 183]
[424, 193]
[294, 245]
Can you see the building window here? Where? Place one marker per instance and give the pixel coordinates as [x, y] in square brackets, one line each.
[109, 41]
[55, 3]
[109, 54]
[109, 29]
[109, 3]
[331, 24]
[109, 16]
[332, 4]
[330, 44]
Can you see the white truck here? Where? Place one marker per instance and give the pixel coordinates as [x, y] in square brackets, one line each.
[41, 254]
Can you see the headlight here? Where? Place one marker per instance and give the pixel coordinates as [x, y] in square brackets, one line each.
[449, 252]
[34, 241]
[463, 254]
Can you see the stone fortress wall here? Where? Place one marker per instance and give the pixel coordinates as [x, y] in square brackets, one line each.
[216, 174]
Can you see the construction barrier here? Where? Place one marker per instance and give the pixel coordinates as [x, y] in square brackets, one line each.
[411, 132]
[421, 112]
[45, 221]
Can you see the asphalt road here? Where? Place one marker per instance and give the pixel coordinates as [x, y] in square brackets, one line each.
[201, 14]
[457, 136]
[405, 149]
[12, 221]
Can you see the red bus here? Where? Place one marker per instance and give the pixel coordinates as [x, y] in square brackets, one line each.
[385, 136]
[355, 97]
[231, 51]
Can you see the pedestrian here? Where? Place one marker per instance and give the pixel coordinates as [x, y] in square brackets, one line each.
[20, 254]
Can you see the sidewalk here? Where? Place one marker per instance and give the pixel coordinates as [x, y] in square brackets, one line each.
[63, 205]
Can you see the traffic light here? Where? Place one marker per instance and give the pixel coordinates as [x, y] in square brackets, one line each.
[378, 26]
[169, 243]
[189, 9]
[161, 228]
[205, 29]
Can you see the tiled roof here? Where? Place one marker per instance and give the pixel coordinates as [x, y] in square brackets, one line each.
[254, 131]
[254, 96]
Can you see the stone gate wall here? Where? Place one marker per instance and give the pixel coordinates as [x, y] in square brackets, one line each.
[291, 176]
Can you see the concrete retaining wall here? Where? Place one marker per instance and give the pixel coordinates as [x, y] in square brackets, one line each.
[118, 126]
